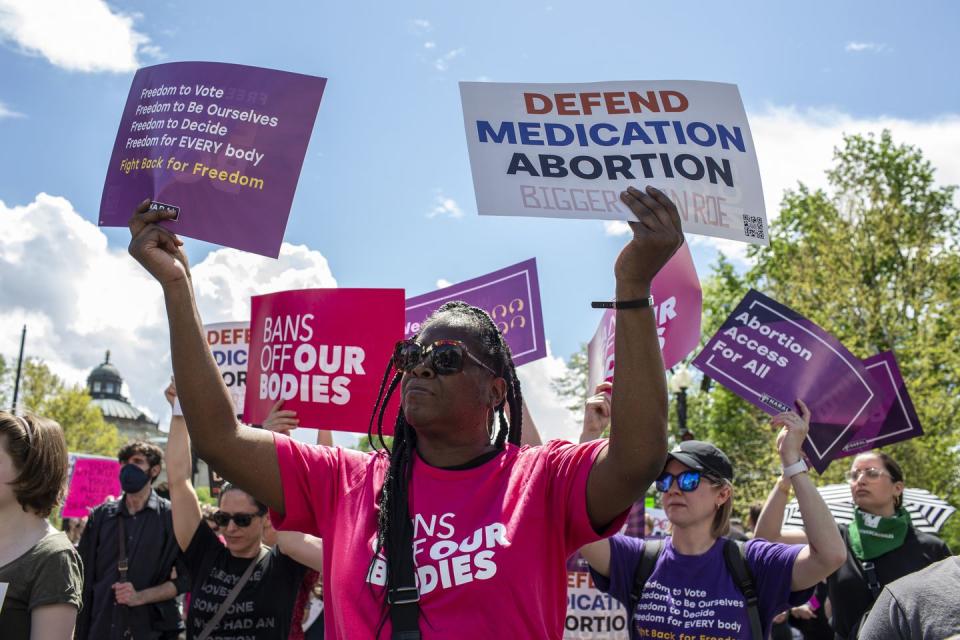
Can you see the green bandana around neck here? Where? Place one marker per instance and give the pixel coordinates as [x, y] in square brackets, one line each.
[872, 536]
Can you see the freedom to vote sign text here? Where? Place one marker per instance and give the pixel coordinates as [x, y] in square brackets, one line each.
[92, 480]
[678, 306]
[220, 144]
[512, 298]
[771, 356]
[568, 150]
[324, 352]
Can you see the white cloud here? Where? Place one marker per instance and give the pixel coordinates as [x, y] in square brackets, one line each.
[7, 112]
[443, 283]
[420, 25]
[78, 35]
[429, 45]
[79, 297]
[796, 145]
[859, 47]
[445, 206]
[616, 228]
[549, 410]
[443, 62]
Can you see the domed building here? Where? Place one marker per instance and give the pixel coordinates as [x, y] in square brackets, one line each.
[105, 386]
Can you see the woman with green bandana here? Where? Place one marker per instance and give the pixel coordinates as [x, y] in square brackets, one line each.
[882, 543]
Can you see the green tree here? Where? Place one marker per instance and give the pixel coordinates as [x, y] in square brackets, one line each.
[874, 260]
[364, 444]
[84, 428]
[572, 385]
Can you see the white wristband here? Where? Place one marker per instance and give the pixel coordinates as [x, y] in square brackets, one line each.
[793, 469]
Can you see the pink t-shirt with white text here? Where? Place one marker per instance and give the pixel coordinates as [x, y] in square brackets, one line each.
[490, 543]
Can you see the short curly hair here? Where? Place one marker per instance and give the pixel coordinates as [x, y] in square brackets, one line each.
[148, 450]
[39, 453]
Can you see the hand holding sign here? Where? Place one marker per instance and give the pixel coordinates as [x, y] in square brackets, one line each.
[656, 237]
[793, 433]
[156, 249]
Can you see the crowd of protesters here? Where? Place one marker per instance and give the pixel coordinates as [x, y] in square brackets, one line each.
[463, 527]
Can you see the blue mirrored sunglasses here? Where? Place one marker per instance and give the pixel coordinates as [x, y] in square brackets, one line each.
[686, 481]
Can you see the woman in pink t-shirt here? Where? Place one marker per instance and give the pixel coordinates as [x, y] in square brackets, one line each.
[489, 524]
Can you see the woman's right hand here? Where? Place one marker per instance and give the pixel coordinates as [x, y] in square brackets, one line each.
[170, 393]
[155, 248]
[281, 421]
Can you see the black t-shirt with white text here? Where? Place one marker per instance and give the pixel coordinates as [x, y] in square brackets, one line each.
[263, 608]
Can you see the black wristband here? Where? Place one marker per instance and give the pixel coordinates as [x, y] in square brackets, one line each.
[641, 303]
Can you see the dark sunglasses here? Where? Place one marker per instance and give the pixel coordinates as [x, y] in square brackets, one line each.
[222, 518]
[686, 481]
[444, 357]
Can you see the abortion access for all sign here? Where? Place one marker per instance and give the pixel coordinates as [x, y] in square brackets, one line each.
[512, 298]
[229, 343]
[568, 150]
[220, 144]
[324, 352]
[770, 355]
[678, 306]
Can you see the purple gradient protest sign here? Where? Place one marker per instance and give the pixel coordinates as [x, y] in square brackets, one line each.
[895, 417]
[512, 298]
[770, 355]
[221, 144]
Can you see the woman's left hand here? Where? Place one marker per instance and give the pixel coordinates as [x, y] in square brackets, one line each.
[793, 431]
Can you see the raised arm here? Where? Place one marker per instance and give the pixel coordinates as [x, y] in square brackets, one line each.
[638, 434]
[771, 516]
[243, 455]
[596, 413]
[529, 435]
[187, 515]
[302, 547]
[825, 551]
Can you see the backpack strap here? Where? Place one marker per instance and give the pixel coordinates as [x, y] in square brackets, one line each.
[652, 548]
[733, 555]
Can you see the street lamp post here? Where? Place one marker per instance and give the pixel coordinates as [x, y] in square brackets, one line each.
[680, 381]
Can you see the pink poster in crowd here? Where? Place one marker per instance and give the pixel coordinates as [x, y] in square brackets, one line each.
[678, 306]
[324, 352]
[92, 481]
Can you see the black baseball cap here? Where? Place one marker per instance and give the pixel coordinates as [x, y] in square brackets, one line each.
[703, 456]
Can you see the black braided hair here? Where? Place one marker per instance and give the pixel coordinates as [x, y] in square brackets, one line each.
[393, 512]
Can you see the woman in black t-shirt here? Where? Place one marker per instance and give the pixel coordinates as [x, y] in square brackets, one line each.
[263, 608]
[882, 544]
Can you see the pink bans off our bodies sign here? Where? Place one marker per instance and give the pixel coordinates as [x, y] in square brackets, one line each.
[324, 352]
[92, 481]
[679, 303]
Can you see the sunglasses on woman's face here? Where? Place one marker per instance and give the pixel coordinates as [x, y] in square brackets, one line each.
[222, 518]
[444, 357]
[871, 473]
[686, 481]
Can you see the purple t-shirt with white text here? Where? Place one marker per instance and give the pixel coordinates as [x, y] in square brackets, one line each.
[695, 596]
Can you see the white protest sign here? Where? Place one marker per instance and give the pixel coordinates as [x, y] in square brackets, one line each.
[229, 343]
[568, 150]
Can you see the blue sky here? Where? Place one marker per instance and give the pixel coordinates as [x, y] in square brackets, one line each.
[385, 194]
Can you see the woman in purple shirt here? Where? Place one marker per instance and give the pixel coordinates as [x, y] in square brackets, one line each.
[690, 591]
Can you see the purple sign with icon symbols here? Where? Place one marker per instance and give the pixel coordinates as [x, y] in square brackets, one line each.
[512, 298]
[895, 417]
[770, 355]
[221, 145]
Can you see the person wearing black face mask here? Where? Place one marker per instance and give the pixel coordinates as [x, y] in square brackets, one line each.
[131, 558]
